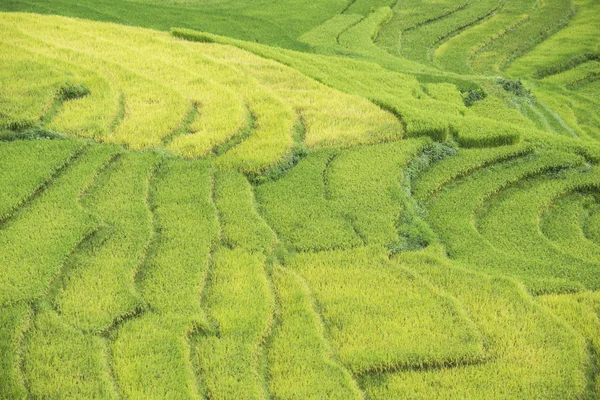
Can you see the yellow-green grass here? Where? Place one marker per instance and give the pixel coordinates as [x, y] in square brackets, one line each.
[194, 113]
[364, 186]
[544, 20]
[576, 76]
[531, 354]
[241, 225]
[451, 217]
[419, 42]
[36, 241]
[171, 282]
[326, 35]
[456, 53]
[301, 364]
[563, 224]
[411, 14]
[15, 321]
[573, 45]
[303, 217]
[364, 7]
[99, 289]
[581, 312]
[330, 117]
[591, 228]
[496, 109]
[466, 162]
[380, 317]
[240, 303]
[360, 37]
[62, 362]
[26, 166]
[510, 220]
[480, 132]
[151, 358]
[445, 92]
[400, 93]
[277, 24]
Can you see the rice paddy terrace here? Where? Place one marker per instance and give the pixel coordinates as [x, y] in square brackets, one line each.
[367, 199]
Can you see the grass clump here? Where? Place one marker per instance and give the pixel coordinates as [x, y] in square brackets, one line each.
[515, 87]
[72, 91]
[473, 96]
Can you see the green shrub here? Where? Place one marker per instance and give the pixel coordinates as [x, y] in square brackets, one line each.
[472, 96]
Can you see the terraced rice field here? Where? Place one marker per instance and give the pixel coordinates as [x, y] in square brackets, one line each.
[366, 199]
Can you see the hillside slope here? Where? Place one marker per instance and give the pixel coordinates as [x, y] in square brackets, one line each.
[280, 200]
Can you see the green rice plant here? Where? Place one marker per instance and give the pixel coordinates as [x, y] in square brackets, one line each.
[241, 225]
[361, 36]
[495, 109]
[446, 92]
[152, 111]
[450, 215]
[419, 42]
[240, 302]
[153, 115]
[359, 40]
[171, 281]
[27, 166]
[387, 88]
[151, 358]
[37, 240]
[365, 7]
[380, 317]
[481, 132]
[303, 218]
[563, 224]
[277, 24]
[99, 289]
[510, 221]
[467, 161]
[531, 353]
[62, 362]
[573, 44]
[15, 321]
[218, 114]
[591, 227]
[267, 144]
[456, 53]
[577, 75]
[422, 123]
[28, 86]
[558, 111]
[330, 117]
[545, 20]
[364, 186]
[301, 363]
[325, 36]
[411, 14]
[419, 123]
[581, 312]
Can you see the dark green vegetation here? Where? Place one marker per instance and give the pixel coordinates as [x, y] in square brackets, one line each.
[368, 199]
